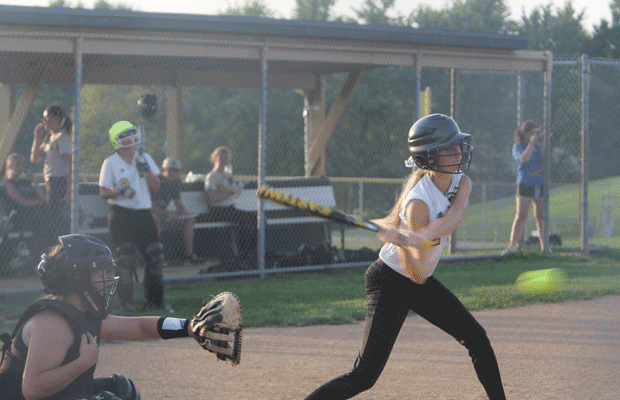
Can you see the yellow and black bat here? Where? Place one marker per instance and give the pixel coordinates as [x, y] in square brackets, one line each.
[284, 199]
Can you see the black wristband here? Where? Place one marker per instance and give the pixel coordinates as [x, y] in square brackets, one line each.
[171, 328]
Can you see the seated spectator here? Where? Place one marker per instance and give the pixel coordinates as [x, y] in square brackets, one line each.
[164, 219]
[222, 190]
[26, 198]
[220, 184]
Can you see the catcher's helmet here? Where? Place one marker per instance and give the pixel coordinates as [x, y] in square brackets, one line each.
[69, 269]
[122, 130]
[147, 104]
[433, 133]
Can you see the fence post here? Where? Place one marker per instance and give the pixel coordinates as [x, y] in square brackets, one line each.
[75, 171]
[262, 160]
[454, 113]
[547, 150]
[585, 149]
[360, 197]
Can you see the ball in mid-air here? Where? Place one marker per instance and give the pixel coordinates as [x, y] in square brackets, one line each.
[541, 281]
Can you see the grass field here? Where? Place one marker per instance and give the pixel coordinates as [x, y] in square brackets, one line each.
[564, 211]
[338, 297]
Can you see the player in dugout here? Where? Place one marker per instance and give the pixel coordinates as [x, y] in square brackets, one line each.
[126, 180]
[170, 190]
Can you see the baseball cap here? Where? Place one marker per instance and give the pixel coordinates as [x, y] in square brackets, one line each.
[171, 163]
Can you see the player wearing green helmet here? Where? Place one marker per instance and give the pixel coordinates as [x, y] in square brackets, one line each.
[121, 132]
[126, 181]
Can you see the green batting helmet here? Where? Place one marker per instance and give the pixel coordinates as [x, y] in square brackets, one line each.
[122, 130]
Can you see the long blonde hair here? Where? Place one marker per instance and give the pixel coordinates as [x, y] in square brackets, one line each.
[392, 220]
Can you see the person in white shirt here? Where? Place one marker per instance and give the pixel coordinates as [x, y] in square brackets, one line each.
[55, 149]
[430, 207]
[126, 181]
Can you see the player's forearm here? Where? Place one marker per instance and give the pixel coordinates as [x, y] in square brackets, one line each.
[444, 226]
[107, 193]
[411, 260]
[153, 181]
[527, 153]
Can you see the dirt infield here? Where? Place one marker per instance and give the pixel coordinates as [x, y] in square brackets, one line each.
[564, 351]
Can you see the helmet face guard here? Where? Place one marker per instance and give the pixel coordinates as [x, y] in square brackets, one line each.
[132, 134]
[121, 131]
[98, 300]
[430, 159]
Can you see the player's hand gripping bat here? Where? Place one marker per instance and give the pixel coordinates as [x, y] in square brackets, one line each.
[284, 199]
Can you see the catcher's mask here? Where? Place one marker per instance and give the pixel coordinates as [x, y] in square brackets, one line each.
[78, 264]
[434, 133]
[123, 130]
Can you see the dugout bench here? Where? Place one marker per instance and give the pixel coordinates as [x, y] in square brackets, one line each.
[215, 236]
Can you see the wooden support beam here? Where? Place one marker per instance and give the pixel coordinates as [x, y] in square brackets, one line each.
[7, 103]
[174, 130]
[314, 117]
[320, 140]
[15, 124]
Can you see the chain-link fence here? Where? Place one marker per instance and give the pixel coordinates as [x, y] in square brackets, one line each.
[490, 105]
[363, 160]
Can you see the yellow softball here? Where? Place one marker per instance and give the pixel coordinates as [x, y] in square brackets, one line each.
[541, 281]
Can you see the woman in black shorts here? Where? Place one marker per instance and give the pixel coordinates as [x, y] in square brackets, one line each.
[527, 150]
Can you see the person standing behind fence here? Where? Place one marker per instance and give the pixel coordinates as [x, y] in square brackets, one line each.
[430, 207]
[125, 180]
[171, 191]
[527, 150]
[55, 151]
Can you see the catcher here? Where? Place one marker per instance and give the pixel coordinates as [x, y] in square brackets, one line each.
[54, 349]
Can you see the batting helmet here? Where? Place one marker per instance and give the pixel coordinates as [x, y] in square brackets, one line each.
[69, 269]
[147, 104]
[122, 130]
[433, 133]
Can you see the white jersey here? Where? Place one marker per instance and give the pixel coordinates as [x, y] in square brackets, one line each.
[116, 173]
[426, 191]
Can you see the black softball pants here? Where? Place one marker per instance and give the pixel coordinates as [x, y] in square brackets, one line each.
[389, 297]
[138, 227]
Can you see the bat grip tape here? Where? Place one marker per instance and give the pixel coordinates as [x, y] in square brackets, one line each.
[172, 328]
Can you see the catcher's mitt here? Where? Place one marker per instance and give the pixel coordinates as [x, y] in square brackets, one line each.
[218, 323]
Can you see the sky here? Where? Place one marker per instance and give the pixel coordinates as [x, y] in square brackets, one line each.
[594, 12]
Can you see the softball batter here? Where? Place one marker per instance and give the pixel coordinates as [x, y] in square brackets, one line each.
[431, 207]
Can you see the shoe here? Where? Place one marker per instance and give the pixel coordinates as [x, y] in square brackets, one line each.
[167, 307]
[509, 249]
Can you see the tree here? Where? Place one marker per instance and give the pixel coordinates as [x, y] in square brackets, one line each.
[606, 38]
[251, 8]
[374, 12]
[560, 30]
[316, 10]
[487, 16]
[104, 5]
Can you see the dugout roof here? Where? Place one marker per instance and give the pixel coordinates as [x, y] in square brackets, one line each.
[225, 50]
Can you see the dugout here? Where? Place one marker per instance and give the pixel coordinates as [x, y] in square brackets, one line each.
[42, 46]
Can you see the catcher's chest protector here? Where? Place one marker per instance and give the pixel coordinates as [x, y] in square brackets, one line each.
[12, 367]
